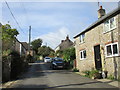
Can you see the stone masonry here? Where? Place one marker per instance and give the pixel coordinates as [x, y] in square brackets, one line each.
[94, 37]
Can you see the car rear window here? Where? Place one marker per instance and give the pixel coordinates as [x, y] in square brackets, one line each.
[47, 58]
[58, 59]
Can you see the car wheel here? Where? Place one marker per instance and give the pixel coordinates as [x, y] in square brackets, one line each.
[52, 67]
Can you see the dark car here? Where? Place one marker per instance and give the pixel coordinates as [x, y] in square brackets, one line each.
[57, 63]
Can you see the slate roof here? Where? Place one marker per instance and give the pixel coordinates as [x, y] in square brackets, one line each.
[25, 45]
[101, 20]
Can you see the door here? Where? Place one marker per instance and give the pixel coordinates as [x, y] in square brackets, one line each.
[97, 57]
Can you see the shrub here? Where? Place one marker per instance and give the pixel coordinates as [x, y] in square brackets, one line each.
[111, 77]
[75, 70]
[87, 73]
[29, 58]
[93, 73]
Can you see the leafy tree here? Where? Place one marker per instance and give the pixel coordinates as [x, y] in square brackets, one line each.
[59, 53]
[36, 44]
[45, 51]
[8, 36]
[69, 54]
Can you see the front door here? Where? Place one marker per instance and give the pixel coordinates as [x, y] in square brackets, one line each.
[97, 56]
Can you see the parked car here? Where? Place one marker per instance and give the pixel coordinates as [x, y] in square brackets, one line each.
[47, 59]
[57, 63]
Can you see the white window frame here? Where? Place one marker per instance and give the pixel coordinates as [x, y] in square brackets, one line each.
[82, 55]
[109, 29]
[112, 49]
[82, 40]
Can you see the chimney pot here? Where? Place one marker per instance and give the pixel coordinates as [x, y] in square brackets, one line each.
[100, 7]
[101, 12]
[62, 41]
[67, 38]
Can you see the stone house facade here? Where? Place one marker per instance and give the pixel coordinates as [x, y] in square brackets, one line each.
[19, 47]
[98, 46]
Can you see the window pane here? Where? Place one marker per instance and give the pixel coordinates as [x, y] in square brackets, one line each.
[80, 39]
[112, 23]
[81, 54]
[84, 53]
[115, 50]
[109, 51]
[83, 36]
[106, 26]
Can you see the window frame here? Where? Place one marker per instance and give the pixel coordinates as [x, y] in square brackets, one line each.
[109, 29]
[82, 55]
[82, 39]
[111, 45]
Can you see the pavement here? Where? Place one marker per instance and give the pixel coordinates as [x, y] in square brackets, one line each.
[108, 81]
[40, 76]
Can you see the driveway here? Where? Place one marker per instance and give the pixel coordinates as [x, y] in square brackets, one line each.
[40, 75]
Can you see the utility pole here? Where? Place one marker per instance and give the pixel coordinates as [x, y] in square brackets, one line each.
[29, 39]
[46, 44]
[98, 5]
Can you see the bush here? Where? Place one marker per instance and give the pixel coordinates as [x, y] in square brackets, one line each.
[30, 58]
[111, 77]
[93, 73]
[17, 65]
[75, 70]
[87, 73]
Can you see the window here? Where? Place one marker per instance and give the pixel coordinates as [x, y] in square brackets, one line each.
[112, 23]
[82, 54]
[109, 50]
[106, 26]
[112, 49]
[82, 38]
[109, 24]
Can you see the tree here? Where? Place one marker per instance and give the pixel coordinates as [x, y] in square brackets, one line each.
[8, 36]
[69, 54]
[36, 44]
[45, 51]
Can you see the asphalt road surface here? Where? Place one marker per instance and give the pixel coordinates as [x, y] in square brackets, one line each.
[40, 75]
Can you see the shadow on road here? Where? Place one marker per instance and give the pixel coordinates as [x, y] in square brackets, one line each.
[39, 69]
[40, 75]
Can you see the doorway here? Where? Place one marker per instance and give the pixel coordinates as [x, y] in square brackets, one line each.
[97, 57]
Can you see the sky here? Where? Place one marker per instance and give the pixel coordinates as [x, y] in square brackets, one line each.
[52, 21]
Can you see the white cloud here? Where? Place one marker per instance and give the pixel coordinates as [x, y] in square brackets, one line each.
[54, 38]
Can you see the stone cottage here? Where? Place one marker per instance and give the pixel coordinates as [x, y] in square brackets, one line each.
[98, 46]
[67, 43]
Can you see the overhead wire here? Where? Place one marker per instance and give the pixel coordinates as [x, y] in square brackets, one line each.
[14, 17]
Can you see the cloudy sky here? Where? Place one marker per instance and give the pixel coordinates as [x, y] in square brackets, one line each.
[52, 21]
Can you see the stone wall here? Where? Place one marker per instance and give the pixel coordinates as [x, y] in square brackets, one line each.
[6, 68]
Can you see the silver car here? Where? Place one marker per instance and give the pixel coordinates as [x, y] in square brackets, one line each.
[47, 59]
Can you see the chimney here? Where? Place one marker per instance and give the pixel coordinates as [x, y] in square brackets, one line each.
[67, 38]
[62, 41]
[101, 12]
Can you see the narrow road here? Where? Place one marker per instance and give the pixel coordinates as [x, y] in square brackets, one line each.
[40, 75]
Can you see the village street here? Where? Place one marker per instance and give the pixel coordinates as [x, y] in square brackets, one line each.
[40, 75]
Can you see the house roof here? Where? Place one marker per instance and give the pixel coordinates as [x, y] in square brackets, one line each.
[25, 44]
[65, 43]
[101, 20]
[20, 43]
